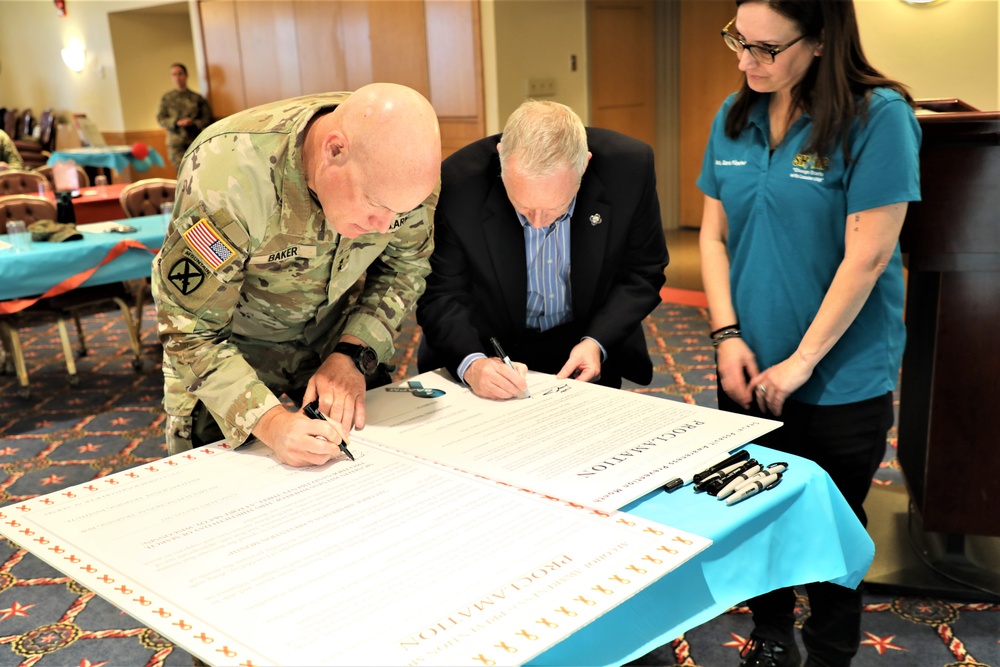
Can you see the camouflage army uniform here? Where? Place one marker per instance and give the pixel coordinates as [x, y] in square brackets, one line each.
[8, 152]
[179, 104]
[254, 287]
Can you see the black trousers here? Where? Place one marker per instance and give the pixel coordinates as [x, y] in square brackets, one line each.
[848, 442]
[547, 351]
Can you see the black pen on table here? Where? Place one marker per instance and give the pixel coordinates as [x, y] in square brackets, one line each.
[312, 411]
[506, 360]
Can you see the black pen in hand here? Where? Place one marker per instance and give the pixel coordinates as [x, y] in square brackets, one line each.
[510, 364]
[312, 411]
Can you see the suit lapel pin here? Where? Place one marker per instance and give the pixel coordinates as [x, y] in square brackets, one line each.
[595, 219]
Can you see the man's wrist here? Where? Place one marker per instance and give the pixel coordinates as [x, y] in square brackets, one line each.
[466, 363]
[364, 357]
[604, 353]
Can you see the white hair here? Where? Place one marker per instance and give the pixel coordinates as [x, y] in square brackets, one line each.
[542, 137]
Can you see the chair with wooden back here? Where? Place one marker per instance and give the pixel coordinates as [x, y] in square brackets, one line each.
[19, 182]
[68, 305]
[49, 174]
[139, 199]
[145, 197]
[25, 207]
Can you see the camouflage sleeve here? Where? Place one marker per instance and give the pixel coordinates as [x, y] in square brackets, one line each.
[197, 280]
[166, 116]
[8, 152]
[395, 281]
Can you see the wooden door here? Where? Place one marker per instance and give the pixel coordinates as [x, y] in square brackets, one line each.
[265, 50]
[708, 75]
[222, 57]
[622, 65]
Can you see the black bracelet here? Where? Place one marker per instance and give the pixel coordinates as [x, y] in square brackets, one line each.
[725, 335]
[722, 329]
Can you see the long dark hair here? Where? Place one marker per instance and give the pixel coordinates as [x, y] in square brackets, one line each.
[837, 86]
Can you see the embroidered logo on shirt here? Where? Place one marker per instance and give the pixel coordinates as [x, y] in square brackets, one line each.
[186, 276]
[730, 163]
[809, 167]
[208, 244]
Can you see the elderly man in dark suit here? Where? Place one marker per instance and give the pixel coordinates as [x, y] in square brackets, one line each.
[548, 238]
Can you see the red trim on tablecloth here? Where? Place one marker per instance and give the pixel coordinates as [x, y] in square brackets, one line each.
[71, 283]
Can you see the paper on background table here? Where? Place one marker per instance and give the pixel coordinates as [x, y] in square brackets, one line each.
[581, 442]
[385, 560]
[103, 227]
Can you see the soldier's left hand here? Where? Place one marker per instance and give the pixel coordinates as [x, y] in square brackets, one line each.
[340, 387]
[584, 362]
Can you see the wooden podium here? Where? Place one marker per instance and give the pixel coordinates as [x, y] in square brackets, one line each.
[949, 415]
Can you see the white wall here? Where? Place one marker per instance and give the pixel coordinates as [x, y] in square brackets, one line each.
[945, 50]
[162, 38]
[32, 73]
[535, 39]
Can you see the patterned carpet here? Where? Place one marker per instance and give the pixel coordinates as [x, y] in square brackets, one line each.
[112, 420]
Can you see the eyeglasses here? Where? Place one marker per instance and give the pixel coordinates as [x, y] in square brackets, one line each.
[761, 54]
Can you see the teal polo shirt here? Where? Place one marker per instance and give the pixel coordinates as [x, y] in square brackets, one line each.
[787, 213]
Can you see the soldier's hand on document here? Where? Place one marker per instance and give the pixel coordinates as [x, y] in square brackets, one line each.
[298, 440]
[340, 388]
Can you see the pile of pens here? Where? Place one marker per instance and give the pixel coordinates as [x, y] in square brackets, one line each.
[737, 478]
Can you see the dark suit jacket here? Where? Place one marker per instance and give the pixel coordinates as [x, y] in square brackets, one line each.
[478, 283]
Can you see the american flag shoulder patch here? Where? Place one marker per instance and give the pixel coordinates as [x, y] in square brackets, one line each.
[202, 238]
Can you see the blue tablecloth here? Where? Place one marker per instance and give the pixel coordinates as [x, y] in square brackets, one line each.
[798, 532]
[47, 264]
[113, 157]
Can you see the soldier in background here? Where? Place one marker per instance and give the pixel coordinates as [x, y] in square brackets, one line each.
[9, 157]
[183, 113]
[300, 240]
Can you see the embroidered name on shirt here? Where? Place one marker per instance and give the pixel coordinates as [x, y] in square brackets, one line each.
[399, 221]
[730, 163]
[291, 252]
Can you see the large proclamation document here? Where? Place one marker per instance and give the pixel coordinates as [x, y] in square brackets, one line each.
[581, 442]
[382, 561]
[466, 532]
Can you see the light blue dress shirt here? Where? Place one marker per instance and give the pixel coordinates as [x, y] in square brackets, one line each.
[547, 252]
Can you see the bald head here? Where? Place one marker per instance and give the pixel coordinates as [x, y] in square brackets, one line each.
[382, 146]
[394, 133]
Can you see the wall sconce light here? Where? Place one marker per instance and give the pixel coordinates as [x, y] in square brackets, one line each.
[74, 55]
[923, 3]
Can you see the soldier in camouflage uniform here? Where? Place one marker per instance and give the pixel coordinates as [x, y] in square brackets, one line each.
[9, 157]
[298, 226]
[183, 113]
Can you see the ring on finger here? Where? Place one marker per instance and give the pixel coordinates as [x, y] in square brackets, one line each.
[761, 388]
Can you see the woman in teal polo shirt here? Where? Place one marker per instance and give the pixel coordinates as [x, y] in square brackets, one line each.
[807, 176]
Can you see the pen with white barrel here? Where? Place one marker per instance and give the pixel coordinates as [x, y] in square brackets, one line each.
[752, 488]
[713, 486]
[738, 481]
[780, 466]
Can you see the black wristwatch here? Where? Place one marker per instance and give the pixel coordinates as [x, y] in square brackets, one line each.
[364, 357]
